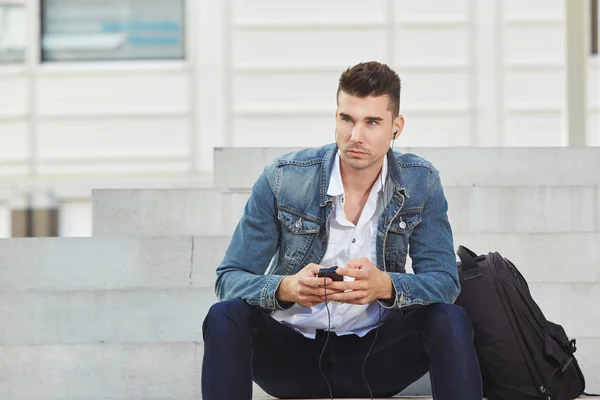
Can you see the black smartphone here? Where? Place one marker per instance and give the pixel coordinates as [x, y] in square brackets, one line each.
[329, 272]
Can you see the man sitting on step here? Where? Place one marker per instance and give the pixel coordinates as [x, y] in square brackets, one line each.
[358, 205]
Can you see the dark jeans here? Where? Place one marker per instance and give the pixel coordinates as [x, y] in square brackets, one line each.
[242, 343]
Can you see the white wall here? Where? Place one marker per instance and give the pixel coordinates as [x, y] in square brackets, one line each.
[264, 73]
[534, 73]
[5, 220]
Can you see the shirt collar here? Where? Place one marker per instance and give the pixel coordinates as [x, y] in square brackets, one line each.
[336, 187]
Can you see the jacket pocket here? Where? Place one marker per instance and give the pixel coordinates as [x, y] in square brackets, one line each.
[297, 234]
[406, 220]
[297, 224]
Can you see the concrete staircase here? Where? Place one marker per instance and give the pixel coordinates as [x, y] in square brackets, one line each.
[119, 315]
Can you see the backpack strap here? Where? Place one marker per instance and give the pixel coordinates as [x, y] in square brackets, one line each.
[468, 268]
[467, 258]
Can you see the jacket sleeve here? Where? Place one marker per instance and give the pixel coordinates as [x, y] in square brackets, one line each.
[241, 274]
[431, 248]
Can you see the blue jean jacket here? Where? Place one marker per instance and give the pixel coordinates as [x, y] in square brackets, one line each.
[285, 227]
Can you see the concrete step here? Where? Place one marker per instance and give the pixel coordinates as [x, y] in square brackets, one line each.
[109, 263]
[168, 212]
[121, 317]
[33, 318]
[150, 315]
[76, 291]
[143, 371]
[126, 263]
[102, 371]
[459, 166]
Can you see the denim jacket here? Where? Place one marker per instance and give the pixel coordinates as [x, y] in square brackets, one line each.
[285, 227]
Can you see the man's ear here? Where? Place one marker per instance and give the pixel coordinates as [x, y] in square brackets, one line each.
[398, 126]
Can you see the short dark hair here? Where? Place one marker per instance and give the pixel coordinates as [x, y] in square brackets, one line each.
[372, 79]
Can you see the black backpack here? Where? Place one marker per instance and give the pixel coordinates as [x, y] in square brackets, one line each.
[522, 355]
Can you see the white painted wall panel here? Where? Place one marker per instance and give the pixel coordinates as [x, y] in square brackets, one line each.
[14, 140]
[75, 219]
[534, 44]
[14, 95]
[12, 171]
[428, 88]
[284, 130]
[593, 127]
[296, 89]
[423, 129]
[5, 221]
[593, 97]
[405, 8]
[301, 47]
[124, 168]
[277, 11]
[535, 87]
[431, 45]
[106, 138]
[119, 93]
[593, 85]
[534, 129]
[539, 8]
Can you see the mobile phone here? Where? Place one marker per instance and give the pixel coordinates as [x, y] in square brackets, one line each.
[329, 272]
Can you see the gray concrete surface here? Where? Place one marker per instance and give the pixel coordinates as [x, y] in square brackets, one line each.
[120, 318]
[163, 212]
[41, 303]
[87, 264]
[459, 166]
[103, 316]
[141, 371]
[166, 212]
[99, 263]
[116, 371]
[176, 315]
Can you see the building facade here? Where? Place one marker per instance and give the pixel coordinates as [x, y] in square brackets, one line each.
[125, 93]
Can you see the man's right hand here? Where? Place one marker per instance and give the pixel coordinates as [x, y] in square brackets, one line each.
[304, 287]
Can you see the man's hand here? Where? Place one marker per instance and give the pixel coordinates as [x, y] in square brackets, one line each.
[370, 283]
[305, 288]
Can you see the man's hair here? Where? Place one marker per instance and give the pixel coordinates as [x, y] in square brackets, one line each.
[372, 79]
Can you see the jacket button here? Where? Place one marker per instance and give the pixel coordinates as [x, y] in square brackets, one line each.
[402, 225]
[402, 300]
[298, 224]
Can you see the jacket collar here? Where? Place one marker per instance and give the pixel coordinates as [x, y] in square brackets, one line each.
[394, 175]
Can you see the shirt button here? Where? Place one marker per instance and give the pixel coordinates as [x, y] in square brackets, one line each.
[353, 240]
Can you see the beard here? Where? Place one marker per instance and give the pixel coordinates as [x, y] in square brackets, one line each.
[357, 161]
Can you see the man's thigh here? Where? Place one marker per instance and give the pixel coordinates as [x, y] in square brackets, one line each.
[285, 364]
[396, 358]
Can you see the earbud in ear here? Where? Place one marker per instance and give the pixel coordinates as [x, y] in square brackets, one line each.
[395, 133]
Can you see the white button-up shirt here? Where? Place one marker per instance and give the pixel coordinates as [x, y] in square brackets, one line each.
[346, 242]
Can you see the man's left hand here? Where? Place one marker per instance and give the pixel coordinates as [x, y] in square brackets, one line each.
[370, 283]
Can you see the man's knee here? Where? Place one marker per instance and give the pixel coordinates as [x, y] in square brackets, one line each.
[225, 314]
[452, 320]
[228, 308]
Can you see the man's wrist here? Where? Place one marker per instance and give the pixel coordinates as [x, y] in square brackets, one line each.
[281, 293]
[390, 292]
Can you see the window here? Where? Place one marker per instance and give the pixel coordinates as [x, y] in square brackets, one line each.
[13, 32]
[42, 222]
[80, 30]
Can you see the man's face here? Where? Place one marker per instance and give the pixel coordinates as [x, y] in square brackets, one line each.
[364, 128]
